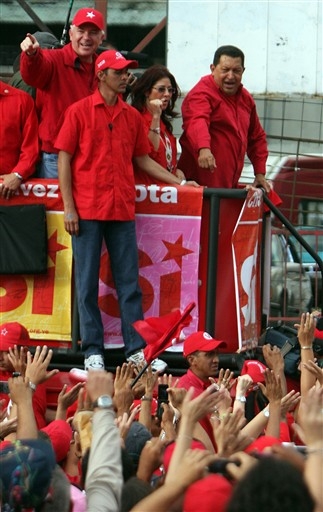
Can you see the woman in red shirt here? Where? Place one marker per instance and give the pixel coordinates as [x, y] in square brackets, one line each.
[154, 95]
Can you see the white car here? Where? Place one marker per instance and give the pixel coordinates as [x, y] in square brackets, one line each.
[290, 285]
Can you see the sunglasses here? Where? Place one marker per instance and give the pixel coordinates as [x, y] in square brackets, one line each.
[162, 89]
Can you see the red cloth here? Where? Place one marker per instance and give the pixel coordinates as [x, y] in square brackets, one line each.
[161, 332]
[19, 148]
[102, 171]
[160, 155]
[229, 126]
[191, 380]
[61, 79]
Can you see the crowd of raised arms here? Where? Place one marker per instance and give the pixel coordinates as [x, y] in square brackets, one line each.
[216, 442]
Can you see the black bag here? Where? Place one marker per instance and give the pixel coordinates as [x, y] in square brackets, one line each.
[23, 239]
[287, 343]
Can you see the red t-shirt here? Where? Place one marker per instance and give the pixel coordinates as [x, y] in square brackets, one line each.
[191, 380]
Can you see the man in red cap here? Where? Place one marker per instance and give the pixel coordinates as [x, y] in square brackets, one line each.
[202, 354]
[61, 76]
[100, 138]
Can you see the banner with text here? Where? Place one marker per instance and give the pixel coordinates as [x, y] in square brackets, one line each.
[168, 220]
[246, 240]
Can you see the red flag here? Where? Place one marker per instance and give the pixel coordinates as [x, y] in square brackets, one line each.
[161, 332]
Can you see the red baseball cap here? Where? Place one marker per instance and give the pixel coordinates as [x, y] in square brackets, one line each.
[318, 333]
[208, 494]
[262, 442]
[60, 434]
[112, 59]
[201, 340]
[88, 15]
[11, 334]
[169, 450]
[255, 369]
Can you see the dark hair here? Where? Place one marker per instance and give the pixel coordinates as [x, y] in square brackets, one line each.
[133, 491]
[231, 51]
[143, 86]
[272, 485]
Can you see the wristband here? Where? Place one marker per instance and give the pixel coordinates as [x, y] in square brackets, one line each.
[183, 182]
[147, 398]
[32, 386]
[241, 399]
[18, 175]
[155, 130]
[306, 348]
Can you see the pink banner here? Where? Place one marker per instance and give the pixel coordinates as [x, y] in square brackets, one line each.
[168, 221]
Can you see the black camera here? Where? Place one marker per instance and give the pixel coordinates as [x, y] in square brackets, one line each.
[162, 398]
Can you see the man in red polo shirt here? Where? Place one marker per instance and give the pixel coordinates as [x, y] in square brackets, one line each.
[61, 76]
[202, 354]
[19, 148]
[100, 137]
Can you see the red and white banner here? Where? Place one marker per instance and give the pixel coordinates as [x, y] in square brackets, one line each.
[246, 250]
[168, 220]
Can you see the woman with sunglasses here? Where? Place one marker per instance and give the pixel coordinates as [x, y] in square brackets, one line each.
[154, 95]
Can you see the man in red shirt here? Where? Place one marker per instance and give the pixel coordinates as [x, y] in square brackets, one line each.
[61, 77]
[202, 354]
[221, 125]
[19, 149]
[100, 137]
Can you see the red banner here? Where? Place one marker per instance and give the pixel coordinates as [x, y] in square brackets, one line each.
[246, 240]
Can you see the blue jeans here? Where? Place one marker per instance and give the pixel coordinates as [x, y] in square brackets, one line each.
[121, 243]
[48, 166]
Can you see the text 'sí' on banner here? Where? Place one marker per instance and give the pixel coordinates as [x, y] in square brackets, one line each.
[42, 302]
[168, 221]
[246, 240]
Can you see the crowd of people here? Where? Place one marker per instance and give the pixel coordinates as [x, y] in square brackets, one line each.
[112, 443]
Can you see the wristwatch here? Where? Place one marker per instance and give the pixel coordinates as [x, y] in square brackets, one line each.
[103, 402]
[241, 398]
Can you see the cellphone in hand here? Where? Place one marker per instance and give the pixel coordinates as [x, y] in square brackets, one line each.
[4, 388]
[162, 398]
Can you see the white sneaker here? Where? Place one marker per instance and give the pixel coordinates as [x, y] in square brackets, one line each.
[94, 362]
[139, 358]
